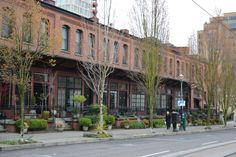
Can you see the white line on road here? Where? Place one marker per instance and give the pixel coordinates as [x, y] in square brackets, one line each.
[209, 143]
[166, 151]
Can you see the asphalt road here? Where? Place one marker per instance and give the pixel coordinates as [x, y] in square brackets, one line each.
[179, 145]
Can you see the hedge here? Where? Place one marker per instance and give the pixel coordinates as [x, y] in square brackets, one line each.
[34, 124]
[158, 123]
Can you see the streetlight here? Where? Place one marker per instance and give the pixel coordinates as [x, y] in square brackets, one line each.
[181, 76]
[182, 103]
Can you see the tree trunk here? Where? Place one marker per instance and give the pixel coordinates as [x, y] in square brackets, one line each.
[101, 106]
[151, 102]
[22, 93]
[225, 118]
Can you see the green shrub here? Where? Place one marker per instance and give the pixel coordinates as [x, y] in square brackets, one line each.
[109, 119]
[85, 121]
[45, 115]
[146, 122]
[198, 122]
[94, 118]
[124, 123]
[79, 99]
[38, 124]
[18, 123]
[95, 109]
[75, 111]
[136, 125]
[158, 123]
[34, 124]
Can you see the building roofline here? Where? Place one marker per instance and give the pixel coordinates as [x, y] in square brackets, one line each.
[89, 20]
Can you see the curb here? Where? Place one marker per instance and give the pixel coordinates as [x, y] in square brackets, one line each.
[4, 148]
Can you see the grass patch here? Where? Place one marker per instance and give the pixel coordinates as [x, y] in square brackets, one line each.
[17, 142]
[10, 142]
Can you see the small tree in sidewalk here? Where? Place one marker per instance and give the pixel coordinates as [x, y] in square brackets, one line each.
[27, 40]
[149, 22]
[95, 72]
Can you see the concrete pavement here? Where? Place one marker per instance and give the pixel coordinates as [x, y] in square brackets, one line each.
[46, 139]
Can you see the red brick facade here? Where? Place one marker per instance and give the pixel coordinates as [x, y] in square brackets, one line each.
[176, 62]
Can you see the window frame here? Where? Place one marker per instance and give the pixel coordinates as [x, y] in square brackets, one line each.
[78, 42]
[65, 39]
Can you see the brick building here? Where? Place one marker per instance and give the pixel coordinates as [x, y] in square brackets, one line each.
[83, 37]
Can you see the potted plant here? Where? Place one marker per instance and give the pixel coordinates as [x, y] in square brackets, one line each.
[85, 123]
[26, 126]
[79, 100]
[75, 112]
[45, 115]
[110, 120]
[126, 123]
[60, 126]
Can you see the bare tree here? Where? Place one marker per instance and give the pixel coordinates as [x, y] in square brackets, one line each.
[227, 89]
[208, 81]
[150, 23]
[215, 51]
[95, 72]
[28, 41]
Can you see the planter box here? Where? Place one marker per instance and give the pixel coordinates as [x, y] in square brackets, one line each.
[85, 128]
[60, 129]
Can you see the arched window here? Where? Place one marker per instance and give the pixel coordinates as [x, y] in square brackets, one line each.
[170, 67]
[136, 57]
[65, 38]
[27, 28]
[91, 45]
[78, 42]
[8, 21]
[125, 54]
[44, 32]
[178, 69]
[106, 43]
[115, 52]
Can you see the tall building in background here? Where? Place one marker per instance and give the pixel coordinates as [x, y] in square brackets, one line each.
[85, 8]
[223, 27]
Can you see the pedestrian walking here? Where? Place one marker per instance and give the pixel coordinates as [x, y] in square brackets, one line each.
[174, 116]
[168, 120]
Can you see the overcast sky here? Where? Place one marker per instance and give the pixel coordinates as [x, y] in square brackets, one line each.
[185, 17]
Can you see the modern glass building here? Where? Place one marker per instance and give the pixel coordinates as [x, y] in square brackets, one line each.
[81, 7]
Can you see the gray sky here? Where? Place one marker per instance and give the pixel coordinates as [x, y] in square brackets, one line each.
[185, 17]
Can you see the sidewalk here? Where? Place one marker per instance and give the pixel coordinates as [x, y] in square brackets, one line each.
[76, 137]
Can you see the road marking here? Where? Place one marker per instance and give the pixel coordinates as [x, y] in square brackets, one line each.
[209, 143]
[166, 151]
[128, 145]
[208, 135]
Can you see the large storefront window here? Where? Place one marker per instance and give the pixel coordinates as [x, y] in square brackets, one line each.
[67, 88]
[163, 101]
[138, 99]
[105, 95]
[158, 102]
[41, 92]
[177, 98]
[113, 95]
[5, 95]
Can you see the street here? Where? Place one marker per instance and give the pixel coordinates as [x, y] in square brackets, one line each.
[179, 145]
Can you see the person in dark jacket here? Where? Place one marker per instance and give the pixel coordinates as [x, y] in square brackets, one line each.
[168, 120]
[174, 116]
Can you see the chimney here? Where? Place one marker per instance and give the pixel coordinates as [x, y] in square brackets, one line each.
[126, 31]
[52, 2]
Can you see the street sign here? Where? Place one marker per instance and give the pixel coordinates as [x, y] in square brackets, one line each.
[181, 102]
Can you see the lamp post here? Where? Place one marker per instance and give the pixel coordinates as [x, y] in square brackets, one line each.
[181, 76]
